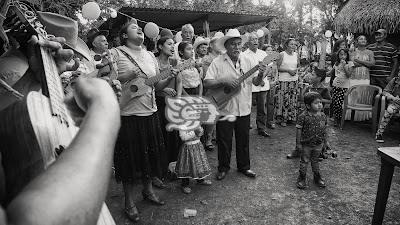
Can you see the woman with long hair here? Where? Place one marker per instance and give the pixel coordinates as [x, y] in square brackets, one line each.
[140, 142]
[165, 52]
[287, 86]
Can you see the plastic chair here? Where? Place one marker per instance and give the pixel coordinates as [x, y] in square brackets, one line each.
[362, 98]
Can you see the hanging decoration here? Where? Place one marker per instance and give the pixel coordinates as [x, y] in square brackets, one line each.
[260, 33]
[91, 11]
[328, 34]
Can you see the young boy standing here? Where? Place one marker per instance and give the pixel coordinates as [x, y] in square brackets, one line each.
[311, 136]
[392, 93]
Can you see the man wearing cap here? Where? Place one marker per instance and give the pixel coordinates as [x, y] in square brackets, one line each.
[255, 56]
[386, 60]
[97, 43]
[224, 71]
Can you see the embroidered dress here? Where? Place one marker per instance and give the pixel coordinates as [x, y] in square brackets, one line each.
[192, 159]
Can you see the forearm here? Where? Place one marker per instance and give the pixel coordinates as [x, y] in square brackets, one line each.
[394, 69]
[78, 179]
[364, 63]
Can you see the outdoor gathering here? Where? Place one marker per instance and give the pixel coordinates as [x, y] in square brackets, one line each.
[205, 112]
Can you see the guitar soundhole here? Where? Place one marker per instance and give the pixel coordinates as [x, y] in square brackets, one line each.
[134, 88]
[227, 90]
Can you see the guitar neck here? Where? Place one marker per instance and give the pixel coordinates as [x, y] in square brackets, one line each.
[152, 80]
[52, 85]
[248, 74]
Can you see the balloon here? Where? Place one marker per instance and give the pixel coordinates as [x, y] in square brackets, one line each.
[178, 37]
[260, 33]
[113, 14]
[91, 11]
[328, 34]
[151, 30]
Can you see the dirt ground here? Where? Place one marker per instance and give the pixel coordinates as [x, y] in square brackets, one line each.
[272, 198]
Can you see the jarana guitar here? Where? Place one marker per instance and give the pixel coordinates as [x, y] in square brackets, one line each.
[221, 96]
[141, 85]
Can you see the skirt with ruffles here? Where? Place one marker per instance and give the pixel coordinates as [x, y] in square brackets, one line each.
[139, 148]
[192, 161]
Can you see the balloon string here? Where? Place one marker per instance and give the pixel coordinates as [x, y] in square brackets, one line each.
[144, 21]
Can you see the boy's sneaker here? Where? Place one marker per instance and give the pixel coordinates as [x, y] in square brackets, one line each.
[379, 138]
[319, 181]
[301, 181]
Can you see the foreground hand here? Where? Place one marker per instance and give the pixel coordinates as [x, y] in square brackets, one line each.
[170, 92]
[88, 93]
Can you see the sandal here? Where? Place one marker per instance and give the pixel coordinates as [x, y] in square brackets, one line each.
[132, 213]
[204, 182]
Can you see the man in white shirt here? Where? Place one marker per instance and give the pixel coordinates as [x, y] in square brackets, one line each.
[224, 71]
[255, 56]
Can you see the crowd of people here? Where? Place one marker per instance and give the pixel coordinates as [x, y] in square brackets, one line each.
[196, 66]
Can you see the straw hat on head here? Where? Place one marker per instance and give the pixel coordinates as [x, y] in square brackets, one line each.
[199, 41]
[232, 33]
[62, 26]
[217, 36]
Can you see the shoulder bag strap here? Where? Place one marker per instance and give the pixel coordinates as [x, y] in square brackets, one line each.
[134, 63]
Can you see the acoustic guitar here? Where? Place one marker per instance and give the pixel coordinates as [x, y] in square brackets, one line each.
[142, 84]
[34, 129]
[221, 96]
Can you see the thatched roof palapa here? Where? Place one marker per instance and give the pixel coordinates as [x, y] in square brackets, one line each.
[367, 16]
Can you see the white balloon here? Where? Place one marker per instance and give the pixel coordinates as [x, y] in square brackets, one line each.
[151, 30]
[328, 33]
[113, 14]
[91, 11]
[178, 37]
[260, 33]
